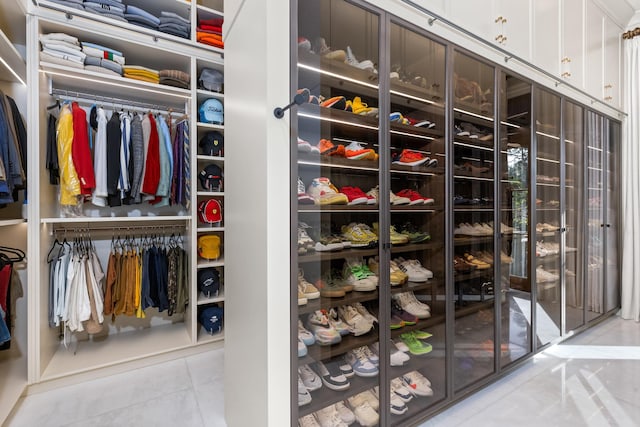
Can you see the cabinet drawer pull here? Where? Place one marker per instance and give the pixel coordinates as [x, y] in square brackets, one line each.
[566, 60]
[609, 86]
[566, 74]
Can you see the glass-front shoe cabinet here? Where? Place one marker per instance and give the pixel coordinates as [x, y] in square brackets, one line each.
[449, 218]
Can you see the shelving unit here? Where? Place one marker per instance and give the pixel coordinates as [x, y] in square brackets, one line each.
[129, 339]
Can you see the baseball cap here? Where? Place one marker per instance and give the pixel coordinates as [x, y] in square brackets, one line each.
[211, 178]
[212, 111]
[212, 144]
[211, 79]
[209, 281]
[209, 246]
[210, 211]
[211, 319]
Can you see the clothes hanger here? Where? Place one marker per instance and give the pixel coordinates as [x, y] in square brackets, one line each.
[56, 105]
[55, 244]
[18, 255]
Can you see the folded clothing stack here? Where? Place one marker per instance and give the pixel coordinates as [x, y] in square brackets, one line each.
[76, 4]
[209, 32]
[175, 78]
[102, 59]
[144, 74]
[62, 49]
[109, 8]
[172, 23]
[141, 17]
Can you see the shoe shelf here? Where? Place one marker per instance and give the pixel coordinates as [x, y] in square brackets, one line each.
[325, 302]
[324, 396]
[475, 274]
[472, 143]
[406, 93]
[337, 208]
[349, 342]
[468, 241]
[474, 178]
[414, 247]
[417, 170]
[417, 208]
[545, 184]
[473, 208]
[477, 114]
[344, 253]
[335, 162]
[337, 74]
[432, 321]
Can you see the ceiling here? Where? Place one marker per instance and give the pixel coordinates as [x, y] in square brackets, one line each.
[635, 4]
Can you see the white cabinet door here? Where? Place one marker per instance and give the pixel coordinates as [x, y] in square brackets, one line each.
[517, 28]
[546, 35]
[612, 62]
[593, 50]
[475, 16]
[572, 57]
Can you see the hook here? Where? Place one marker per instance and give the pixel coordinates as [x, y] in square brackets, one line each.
[432, 21]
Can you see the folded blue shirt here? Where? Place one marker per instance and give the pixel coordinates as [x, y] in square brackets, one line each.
[106, 49]
[141, 20]
[132, 10]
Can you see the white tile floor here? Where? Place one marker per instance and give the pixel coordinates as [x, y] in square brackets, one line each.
[591, 380]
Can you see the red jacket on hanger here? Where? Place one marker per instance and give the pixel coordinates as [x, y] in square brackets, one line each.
[80, 151]
[152, 163]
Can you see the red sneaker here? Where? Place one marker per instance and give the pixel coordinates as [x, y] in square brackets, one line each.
[355, 195]
[411, 158]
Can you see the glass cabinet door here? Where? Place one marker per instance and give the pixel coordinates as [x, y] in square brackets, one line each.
[548, 225]
[574, 188]
[417, 179]
[515, 282]
[612, 173]
[474, 253]
[595, 227]
[337, 213]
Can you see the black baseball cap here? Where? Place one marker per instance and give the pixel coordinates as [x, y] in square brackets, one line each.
[212, 144]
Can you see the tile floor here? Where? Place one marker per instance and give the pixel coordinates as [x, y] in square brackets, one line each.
[591, 380]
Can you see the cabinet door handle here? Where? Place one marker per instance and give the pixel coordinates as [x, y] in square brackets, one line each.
[566, 74]
[500, 19]
[565, 60]
[609, 86]
[608, 225]
[608, 98]
[499, 38]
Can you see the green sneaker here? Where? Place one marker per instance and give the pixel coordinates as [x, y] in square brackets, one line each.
[416, 346]
[422, 335]
[414, 234]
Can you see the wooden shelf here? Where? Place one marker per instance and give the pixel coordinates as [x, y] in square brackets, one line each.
[9, 222]
[325, 302]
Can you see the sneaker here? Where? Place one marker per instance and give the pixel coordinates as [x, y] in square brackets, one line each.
[310, 379]
[344, 367]
[355, 151]
[395, 322]
[336, 322]
[325, 193]
[303, 237]
[417, 384]
[356, 273]
[304, 397]
[353, 61]
[410, 158]
[396, 357]
[360, 108]
[355, 195]
[303, 197]
[397, 405]
[421, 335]
[395, 237]
[414, 197]
[308, 421]
[357, 323]
[331, 376]
[414, 234]
[374, 194]
[304, 44]
[330, 287]
[417, 302]
[302, 300]
[302, 348]
[336, 102]
[328, 242]
[366, 396]
[328, 148]
[304, 146]
[406, 317]
[415, 271]
[329, 417]
[359, 235]
[346, 414]
[400, 390]
[397, 117]
[365, 414]
[398, 200]
[323, 333]
[405, 301]
[304, 335]
[397, 277]
[320, 47]
[480, 265]
[372, 355]
[365, 313]
[361, 364]
[416, 346]
[309, 291]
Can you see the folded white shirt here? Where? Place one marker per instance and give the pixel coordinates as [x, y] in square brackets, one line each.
[65, 55]
[59, 37]
[45, 57]
[62, 46]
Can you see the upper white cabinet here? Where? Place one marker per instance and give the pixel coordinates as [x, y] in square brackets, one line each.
[594, 63]
[513, 26]
[476, 16]
[572, 43]
[613, 62]
[546, 27]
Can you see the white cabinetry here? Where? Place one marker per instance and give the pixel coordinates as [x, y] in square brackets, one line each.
[546, 43]
[613, 61]
[572, 56]
[594, 38]
[513, 23]
[475, 16]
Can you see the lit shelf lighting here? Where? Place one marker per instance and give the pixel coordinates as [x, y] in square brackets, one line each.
[12, 71]
[469, 113]
[548, 135]
[337, 76]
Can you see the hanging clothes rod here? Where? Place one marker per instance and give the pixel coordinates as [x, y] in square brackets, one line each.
[120, 228]
[125, 104]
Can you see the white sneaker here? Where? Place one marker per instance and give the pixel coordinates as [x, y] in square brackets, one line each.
[304, 335]
[346, 414]
[419, 303]
[363, 311]
[361, 364]
[417, 384]
[356, 273]
[396, 358]
[363, 65]
[365, 414]
[302, 348]
[415, 271]
[329, 417]
[310, 379]
[337, 323]
[401, 346]
[358, 325]
[399, 389]
[325, 193]
[397, 200]
[308, 421]
[304, 397]
[397, 405]
[409, 305]
[333, 380]
[366, 396]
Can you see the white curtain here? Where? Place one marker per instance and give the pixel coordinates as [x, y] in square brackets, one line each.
[630, 183]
